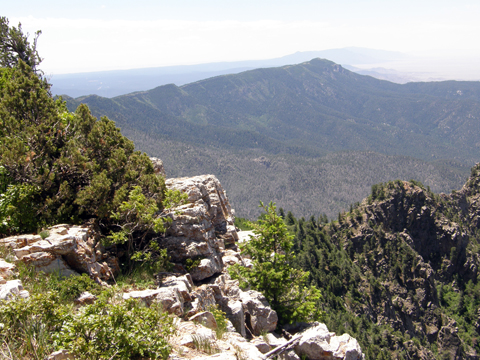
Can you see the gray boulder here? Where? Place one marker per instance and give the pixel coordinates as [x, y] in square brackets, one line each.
[317, 343]
[259, 316]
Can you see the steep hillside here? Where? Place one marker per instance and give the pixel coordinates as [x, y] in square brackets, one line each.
[400, 270]
[305, 111]
[317, 103]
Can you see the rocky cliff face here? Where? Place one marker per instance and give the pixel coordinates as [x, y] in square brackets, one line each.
[418, 252]
[202, 227]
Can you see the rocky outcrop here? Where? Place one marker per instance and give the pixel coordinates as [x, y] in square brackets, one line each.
[248, 311]
[259, 316]
[202, 242]
[414, 249]
[67, 250]
[317, 343]
[205, 318]
[158, 166]
[448, 340]
[174, 294]
[201, 228]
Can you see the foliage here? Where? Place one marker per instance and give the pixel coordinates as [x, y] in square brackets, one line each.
[243, 224]
[16, 210]
[121, 331]
[303, 185]
[139, 215]
[220, 319]
[28, 324]
[273, 272]
[70, 288]
[108, 329]
[15, 47]
[62, 166]
[191, 264]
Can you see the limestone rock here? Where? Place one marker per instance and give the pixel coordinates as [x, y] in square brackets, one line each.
[12, 289]
[205, 318]
[288, 355]
[317, 343]
[48, 263]
[200, 228]
[171, 300]
[85, 298]
[275, 340]
[60, 355]
[207, 267]
[259, 316]
[231, 257]
[242, 348]
[261, 345]
[234, 312]
[68, 249]
[252, 311]
[6, 270]
[146, 296]
[220, 356]
[183, 283]
[203, 299]
[173, 294]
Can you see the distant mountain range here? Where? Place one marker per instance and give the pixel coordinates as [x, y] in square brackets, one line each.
[313, 137]
[119, 82]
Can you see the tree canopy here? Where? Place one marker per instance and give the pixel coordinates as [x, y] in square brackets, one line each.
[14, 46]
[67, 166]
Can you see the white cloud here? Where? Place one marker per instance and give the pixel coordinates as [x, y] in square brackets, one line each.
[74, 45]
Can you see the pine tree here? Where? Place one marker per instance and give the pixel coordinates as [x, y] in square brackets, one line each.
[273, 274]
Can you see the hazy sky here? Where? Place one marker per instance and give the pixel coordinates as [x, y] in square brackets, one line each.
[96, 35]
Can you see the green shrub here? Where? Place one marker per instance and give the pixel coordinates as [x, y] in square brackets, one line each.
[70, 288]
[18, 209]
[220, 319]
[191, 264]
[26, 325]
[63, 166]
[120, 331]
[243, 224]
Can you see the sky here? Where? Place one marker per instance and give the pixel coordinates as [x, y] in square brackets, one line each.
[96, 35]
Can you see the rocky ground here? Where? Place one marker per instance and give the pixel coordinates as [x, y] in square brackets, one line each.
[201, 230]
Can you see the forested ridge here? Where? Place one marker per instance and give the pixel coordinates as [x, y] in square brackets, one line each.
[399, 271]
[304, 116]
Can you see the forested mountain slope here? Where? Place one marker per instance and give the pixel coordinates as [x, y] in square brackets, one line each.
[306, 110]
[400, 270]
